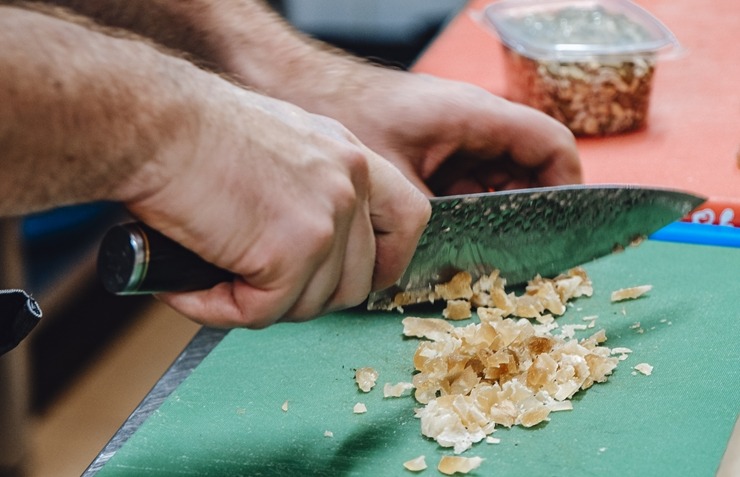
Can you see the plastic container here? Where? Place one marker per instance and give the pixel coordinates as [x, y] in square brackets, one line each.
[587, 63]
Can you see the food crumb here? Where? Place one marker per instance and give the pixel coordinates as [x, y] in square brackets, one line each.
[396, 390]
[284, 407]
[644, 368]
[630, 293]
[449, 465]
[359, 408]
[621, 350]
[328, 434]
[457, 310]
[416, 465]
[493, 440]
[365, 378]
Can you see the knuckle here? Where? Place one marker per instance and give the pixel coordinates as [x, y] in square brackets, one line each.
[344, 197]
[357, 165]
[318, 238]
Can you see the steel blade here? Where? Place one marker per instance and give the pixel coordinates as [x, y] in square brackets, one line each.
[533, 231]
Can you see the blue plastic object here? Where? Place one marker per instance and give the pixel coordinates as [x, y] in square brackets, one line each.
[702, 234]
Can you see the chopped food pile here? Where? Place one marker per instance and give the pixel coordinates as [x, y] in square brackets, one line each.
[501, 371]
[542, 295]
[507, 370]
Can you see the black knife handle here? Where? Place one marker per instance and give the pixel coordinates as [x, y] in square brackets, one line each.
[135, 259]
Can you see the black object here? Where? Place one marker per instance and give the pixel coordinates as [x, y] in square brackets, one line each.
[19, 314]
[136, 259]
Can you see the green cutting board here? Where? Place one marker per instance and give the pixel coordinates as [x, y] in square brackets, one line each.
[226, 418]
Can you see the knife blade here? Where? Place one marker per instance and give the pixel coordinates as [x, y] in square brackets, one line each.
[527, 232]
[521, 233]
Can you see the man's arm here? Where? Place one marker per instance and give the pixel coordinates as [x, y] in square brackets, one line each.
[307, 217]
[75, 120]
[426, 126]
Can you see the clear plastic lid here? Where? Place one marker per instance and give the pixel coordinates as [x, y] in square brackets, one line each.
[579, 29]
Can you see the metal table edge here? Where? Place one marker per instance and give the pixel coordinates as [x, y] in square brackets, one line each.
[205, 340]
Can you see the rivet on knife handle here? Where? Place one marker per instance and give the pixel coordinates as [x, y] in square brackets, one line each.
[136, 259]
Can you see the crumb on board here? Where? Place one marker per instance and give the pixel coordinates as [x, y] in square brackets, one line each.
[359, 408]
[284, 407]
[396, 390]
[366, 378]
[416, 465]
[457, 310]
[644, 368]
[630, 293]
[450, 465]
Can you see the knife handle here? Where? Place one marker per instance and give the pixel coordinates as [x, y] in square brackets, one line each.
[135, 259]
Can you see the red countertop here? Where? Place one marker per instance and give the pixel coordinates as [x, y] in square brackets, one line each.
[692, 139]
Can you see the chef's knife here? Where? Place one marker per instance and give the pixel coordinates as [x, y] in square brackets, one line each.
[521, 233]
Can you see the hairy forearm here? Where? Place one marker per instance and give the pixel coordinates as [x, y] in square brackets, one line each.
[243, 38]
[81, 113]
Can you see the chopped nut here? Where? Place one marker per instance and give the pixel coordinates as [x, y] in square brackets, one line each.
[449, 465]
[284, 407]
[621, 350]
[630, 293]
[328, 434]
[457, 288]
[416, 465]
[590, 98]
[365, 378]
[644, 368]
[430, 328]
[396, 390]
[457, 310]
[412, 297]
[359, 408]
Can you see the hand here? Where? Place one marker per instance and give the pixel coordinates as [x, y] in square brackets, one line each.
[308, 217]
[446, 136]
[452, 138]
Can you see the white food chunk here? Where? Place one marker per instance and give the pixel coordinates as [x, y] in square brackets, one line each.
[644, 368]
[416, 465]
[449, 465]
[396, 390]
[630, 293]
[365, 378]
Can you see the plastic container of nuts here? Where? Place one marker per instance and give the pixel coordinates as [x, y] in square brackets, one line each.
[587, 63]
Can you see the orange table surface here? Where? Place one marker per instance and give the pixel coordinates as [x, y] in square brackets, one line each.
[692, 139]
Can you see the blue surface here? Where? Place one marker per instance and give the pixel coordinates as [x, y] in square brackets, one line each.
[701, 234]
[48, 224]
